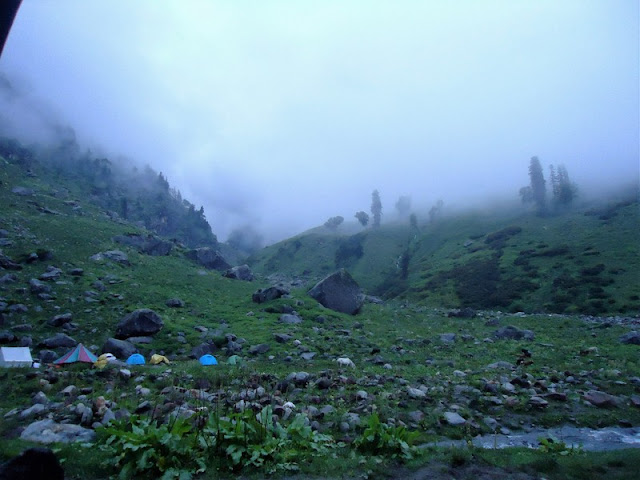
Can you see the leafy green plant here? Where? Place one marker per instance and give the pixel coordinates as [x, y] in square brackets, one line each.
[557, 447]
[379, 438]
[143, 447]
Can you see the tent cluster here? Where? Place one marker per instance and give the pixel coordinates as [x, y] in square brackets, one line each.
[21, 357]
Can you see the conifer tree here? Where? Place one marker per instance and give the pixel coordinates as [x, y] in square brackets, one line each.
[376, 208]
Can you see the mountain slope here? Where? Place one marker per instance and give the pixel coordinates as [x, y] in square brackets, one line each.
[581, 261]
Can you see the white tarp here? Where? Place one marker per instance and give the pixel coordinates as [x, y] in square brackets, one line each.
[15, 357]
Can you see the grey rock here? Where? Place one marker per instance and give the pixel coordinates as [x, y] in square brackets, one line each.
[453, 418]
[36, 286]
[33, 411]
[203, 349]
[7, 337]
[208, 258]
[117, 256]
[631, 338]
[501, 364]
[601, 399]
[282, 337]
[148, 244]
[290, 319]
[513, 333]
[307, 355]
[339, 292]
[8, 278]
[448, 338]
[139, 322]
[52, 273]
[174, 303]
[462, 313]
[120, 348]
[267, 294]
[48, 431]
[58, 341]
[241, 272]
[259, 349]
[60, 320]
[8, 264]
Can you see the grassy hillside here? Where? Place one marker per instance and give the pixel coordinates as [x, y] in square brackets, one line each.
[581, 261]
[414, 366]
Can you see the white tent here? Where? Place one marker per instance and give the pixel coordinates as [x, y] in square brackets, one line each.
[15, 357]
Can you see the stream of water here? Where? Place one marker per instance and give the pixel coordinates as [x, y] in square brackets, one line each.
[588, 439]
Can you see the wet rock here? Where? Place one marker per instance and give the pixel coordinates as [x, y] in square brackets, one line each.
[339, 292]
[33, 464]
[139, 322]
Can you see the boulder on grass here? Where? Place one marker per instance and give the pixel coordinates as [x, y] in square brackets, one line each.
[208, 258]
[267, 294]
[339, 292]
[241, 272]
[120, 348]
[142, 322]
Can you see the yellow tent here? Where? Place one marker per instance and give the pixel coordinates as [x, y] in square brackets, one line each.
[157, 359]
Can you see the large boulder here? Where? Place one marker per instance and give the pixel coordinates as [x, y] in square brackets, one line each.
[339, 292]
[209, 258]
[149, 244]
[241, 272]
[120, 348]
[48, 431]
[631, 338]
[267, 294]
[140, 322]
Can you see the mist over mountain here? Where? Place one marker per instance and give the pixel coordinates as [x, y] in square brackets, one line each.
[281, 116]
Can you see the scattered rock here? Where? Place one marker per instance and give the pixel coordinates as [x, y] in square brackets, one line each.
[259, 349]
[8, 264]
[117, 256]
[339, 292]
[453, 418]
[267, 294]
[174, 303]
[462, 313]
[242, 272]
[208, 258]
[601, 399]
[631, 338]
[149, 245]
[513, 333]
[448, 338]
[122, 349]
[60, 320]
[58, 341]
[290, 319]
[139, 322]
[48, 431]
[282, 337]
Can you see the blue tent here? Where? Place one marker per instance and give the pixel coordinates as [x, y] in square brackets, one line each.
[208, 360]
[135, 359]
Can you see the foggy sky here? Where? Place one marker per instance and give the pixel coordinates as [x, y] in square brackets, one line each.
[281, 114]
